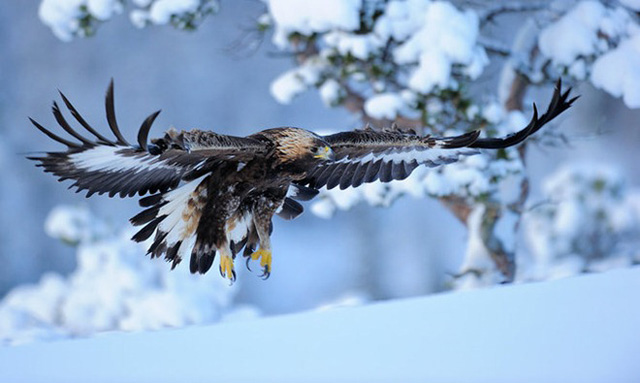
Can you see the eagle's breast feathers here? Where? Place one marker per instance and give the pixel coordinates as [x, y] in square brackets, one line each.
[211, 193]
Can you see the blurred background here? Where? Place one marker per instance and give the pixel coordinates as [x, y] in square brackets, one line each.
[203, 80]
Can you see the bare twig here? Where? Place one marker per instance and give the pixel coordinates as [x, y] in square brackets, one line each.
[487, 16]
[494, 46]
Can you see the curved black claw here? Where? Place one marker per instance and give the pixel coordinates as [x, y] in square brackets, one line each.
[249, 260]
[224, 275]
[266, 273]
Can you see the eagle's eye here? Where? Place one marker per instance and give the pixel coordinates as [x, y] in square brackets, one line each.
[322, 152]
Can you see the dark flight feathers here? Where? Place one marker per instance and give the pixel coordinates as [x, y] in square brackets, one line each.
[368, 155]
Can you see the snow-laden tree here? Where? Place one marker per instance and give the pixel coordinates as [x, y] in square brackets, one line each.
[418, 63]
[112, 289]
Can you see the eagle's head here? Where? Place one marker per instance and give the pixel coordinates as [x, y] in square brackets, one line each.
[299, 148]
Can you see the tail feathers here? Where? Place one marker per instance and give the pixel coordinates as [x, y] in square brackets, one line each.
[202, 257]
[173, 216]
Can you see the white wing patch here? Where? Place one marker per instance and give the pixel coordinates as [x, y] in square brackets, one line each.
[111, 158]
[429, 157]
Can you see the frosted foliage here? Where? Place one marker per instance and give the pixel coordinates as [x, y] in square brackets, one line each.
[600, 43]
[114, 287]
[309, 16]
[385, 105]
[575, 34]
[70, 18]
[591, 221]
[359, 46]
[618, 72]
[418, 45]
[64, 16]
[330, 92]
[297, 80]
[444, 37]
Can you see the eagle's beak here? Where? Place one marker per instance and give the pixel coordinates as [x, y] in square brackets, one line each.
[325, 153]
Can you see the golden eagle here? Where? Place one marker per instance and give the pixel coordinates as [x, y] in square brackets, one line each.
[217, 193]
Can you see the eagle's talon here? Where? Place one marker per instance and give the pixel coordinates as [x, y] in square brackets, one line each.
[266, 273]
[265, 261]
[248, 260]
[226, 268]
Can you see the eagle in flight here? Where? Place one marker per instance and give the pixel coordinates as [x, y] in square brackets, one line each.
[211, 193]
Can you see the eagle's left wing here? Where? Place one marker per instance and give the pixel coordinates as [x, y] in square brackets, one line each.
[367, 155]
[112, 165]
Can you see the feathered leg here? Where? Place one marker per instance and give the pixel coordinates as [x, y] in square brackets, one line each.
[264, 210]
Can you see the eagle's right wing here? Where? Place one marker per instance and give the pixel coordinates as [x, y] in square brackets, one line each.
[363, 156]
[102, 165]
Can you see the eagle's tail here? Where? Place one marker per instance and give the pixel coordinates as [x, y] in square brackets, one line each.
[102, 165]
[180, 224]
[174, 217]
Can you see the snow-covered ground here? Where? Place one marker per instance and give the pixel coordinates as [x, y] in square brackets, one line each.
[580, 329]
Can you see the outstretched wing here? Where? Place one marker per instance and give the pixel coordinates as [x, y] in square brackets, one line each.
[367, 155]
[102, 165]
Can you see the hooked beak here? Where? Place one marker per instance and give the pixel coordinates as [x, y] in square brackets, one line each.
[325, 153]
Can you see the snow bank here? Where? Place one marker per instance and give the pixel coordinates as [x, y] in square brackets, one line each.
[582, 329]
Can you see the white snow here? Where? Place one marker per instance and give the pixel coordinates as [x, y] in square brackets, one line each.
[444, 36]
[359, 46]
[618, 72]
[598, 42]
[308, 16]
[104, 9]
[330, 92]
[61, 16]
[385, 105]
[590, 221]
[295, 81]
[114, 287]
[578, 329]
[574, 34]
[162, 10]
[73, 224]
[139, 18]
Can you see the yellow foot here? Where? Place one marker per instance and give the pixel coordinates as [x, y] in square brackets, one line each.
[226, 268]
[265, 261]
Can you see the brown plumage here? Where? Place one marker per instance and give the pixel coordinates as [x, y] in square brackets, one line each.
[216, 194]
